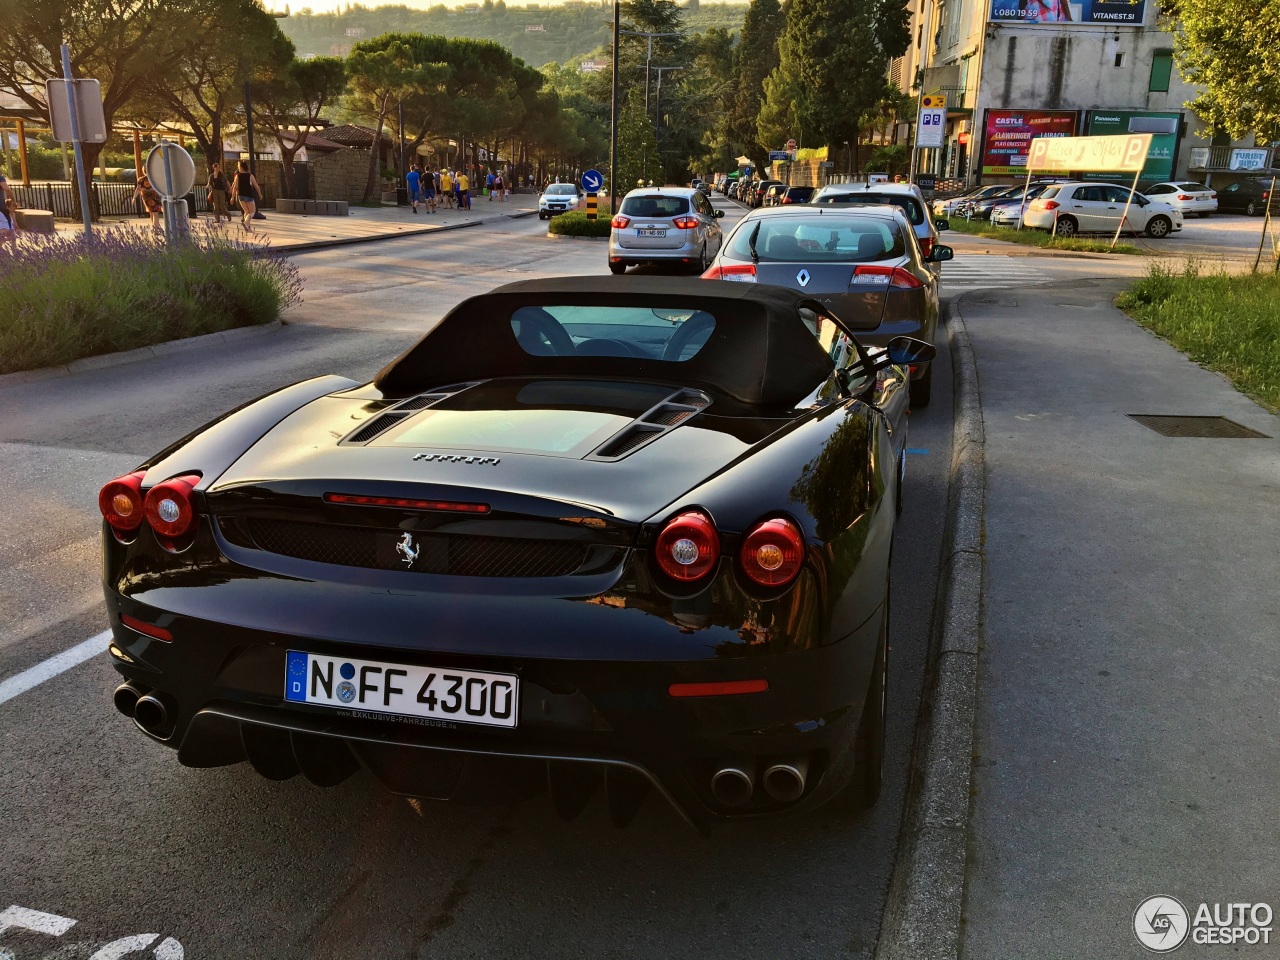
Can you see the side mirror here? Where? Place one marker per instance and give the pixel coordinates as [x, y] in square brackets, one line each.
[909, 350]
[717, 214]
[940, 254]
[942, 223]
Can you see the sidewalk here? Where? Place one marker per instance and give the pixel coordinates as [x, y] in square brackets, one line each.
[294, 231]
[1127, 735]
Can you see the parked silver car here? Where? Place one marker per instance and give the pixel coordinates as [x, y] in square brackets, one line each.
[674, 225]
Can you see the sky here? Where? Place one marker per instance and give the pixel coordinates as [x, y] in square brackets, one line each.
[329, 6]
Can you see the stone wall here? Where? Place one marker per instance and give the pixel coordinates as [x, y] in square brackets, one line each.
[339, 176]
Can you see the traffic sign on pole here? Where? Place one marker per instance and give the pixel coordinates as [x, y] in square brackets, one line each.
[87, 96]
[931, 127]
[592, 181]
[171, 170]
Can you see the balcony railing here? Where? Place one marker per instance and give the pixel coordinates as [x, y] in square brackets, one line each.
[1230, 159]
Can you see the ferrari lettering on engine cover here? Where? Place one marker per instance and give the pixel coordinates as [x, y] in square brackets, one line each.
[455, 458]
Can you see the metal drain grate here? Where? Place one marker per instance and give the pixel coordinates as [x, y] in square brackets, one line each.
[1215, 428]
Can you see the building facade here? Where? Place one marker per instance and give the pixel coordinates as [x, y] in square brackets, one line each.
[1015, 69]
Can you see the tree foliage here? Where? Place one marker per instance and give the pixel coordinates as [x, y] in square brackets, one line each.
[290, 99]
[1233, 53]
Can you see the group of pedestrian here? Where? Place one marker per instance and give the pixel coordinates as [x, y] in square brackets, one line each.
[241, 190]
[449, 188]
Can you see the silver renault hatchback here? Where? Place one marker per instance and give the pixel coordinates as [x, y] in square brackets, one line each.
[671, 225]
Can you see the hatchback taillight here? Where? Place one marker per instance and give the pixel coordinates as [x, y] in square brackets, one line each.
[170, 507]
[741, 272]
[772, 553]
[1051, 204]
[619, 222]
[686, 222]
[886, 276]
[688, 547]
[121, 502]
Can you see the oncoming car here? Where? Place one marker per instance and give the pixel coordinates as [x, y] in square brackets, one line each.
[626, 537]
[557, 198]
[862, 262]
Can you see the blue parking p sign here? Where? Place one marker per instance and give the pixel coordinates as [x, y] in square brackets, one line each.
[592, 181]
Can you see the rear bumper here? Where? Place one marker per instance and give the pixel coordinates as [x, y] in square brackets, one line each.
[594, 672]
[690, 250]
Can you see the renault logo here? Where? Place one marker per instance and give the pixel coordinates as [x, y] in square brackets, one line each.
[803, 278]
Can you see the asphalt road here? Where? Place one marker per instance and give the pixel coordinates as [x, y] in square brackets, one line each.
[105, 829]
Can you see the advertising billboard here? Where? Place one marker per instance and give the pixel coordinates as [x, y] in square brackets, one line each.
[1163, 127]
[1007, 136]
[1089, 13]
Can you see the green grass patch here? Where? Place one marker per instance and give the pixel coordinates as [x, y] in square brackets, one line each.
[1036, 238]
[67, 298]
[1225, 322]
[575, 224]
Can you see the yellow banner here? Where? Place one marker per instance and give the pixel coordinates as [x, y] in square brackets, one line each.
[1125, 153]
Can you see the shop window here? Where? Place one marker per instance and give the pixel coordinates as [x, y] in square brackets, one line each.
[1161, 69]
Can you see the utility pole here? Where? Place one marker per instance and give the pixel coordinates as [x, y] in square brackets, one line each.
[657, 100]
[613, 123]
[648, 57]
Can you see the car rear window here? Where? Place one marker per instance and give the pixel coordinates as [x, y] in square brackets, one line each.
[1050, 193]
[818, 239]
[596, 331]
[654, 206]
[909, 204]
[1193, 187]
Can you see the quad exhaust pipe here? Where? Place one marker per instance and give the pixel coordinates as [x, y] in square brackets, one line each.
[153, 714]
[732, 786]
[126, 697]
[785, 782]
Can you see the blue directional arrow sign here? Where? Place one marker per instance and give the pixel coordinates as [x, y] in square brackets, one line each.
[592, 181]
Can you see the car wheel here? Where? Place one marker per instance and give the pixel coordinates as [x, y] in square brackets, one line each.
[868, 752]
[1066, 227]
[617, 268]
[1204, 215]
[700, 267]
[1158, 227]
[1251, 209]
[542, 216]
[920, 389]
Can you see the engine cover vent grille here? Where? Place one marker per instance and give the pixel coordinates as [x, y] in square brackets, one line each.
[379, 424]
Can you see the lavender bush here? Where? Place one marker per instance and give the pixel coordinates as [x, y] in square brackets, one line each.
[66, 298]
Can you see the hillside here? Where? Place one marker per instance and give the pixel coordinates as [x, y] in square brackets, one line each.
[536, 34]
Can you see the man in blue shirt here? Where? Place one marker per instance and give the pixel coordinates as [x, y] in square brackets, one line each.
[488, 184]
[415, 186]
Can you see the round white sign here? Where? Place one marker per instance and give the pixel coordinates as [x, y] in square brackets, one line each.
[180, 177]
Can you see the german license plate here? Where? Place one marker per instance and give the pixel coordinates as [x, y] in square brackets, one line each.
[459, 696]
[651, 233]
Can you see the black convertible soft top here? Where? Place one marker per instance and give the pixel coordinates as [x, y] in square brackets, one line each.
[761, 351]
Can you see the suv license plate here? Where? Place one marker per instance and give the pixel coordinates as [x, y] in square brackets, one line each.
[437, 693]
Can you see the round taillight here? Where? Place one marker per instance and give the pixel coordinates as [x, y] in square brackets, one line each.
[169, 506]
[772, 553]
[688, 547]
[121, 502]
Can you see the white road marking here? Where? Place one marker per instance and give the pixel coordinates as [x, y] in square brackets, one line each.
[22, 918]
[20, 683]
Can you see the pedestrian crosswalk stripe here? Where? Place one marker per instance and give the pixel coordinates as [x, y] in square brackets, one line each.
[990, 270]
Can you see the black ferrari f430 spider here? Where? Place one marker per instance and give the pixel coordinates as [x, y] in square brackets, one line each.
[616, 535]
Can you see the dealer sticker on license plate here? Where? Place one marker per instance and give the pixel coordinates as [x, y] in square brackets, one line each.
[459, 696]
[651, 233]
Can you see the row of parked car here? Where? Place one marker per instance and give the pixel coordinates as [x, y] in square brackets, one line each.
[1156, 209]
[762, 193]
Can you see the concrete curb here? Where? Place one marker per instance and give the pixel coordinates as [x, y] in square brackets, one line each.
[303, 246]
[926, 891]
[561, 236]
[141, 353]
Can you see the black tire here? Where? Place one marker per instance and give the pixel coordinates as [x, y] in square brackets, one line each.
[1203, 215]
[542, 216]
[1067, 227]
[921, 389]
[1159, 227]
[868, 753]
[700, 267]
[1251, 208]
[617, 268]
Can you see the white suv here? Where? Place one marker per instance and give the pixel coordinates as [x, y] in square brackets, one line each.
[557, 198]
[1097, 208]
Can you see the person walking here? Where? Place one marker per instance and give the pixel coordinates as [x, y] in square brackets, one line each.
[414, 179]
[217, 188]
[498, 183]
[489, 181]
[446, 188]
[428, 189]
[247, 190]
[152, 201]
[464, 192]
[8, 212]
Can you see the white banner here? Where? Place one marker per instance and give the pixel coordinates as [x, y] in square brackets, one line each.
[1126, 153]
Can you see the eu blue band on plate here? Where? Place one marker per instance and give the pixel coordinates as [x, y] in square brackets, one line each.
[295, 676]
